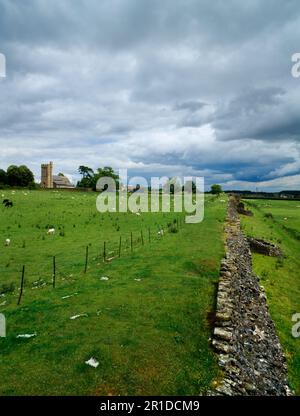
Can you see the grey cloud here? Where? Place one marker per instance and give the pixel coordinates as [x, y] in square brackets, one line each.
[169, 86]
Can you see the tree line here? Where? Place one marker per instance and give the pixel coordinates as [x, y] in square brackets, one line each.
[19, 176]
[22, 176]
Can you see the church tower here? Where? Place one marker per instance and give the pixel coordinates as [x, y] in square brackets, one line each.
[47, 175]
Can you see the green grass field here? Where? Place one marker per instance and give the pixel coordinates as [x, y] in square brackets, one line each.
[280, 277]
[147, 325]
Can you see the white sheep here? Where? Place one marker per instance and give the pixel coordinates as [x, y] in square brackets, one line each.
[7, 242]
[51, 231]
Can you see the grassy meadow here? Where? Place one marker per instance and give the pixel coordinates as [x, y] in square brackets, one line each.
[279, 222]
[147, 325]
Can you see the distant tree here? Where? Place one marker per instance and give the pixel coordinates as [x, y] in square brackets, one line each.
[26, 175]
[87, 177]
[90, 178]
[86, 172]
[3, 177]
[13, 175]
[19, 176]
[61, 174]
[190, 185]
[216, 189]
[106, 172]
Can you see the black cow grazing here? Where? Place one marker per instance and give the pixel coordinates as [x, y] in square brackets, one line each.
[5, 201]
[9, 204]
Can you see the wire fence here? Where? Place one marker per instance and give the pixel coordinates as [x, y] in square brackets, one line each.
[67, 267]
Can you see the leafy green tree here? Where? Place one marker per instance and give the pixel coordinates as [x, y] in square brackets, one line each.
[85, 171]
[87, 177]
[13, 175]
[216, 189]
[26, 176]
[106, 172]
[3, 177]
[19, 176]
[90, 178]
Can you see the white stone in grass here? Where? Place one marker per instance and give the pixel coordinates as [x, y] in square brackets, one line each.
[137, 280]
[79, 316]
[69, 296]
[26, 336]
[104, 278]
[92, 362]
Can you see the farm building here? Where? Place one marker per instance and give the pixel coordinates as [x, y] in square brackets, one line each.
[61, 182]
[49, 181]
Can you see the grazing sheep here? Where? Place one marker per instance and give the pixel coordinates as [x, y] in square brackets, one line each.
[51, 231]
[5, 201]
[7, 242]
[9, 204]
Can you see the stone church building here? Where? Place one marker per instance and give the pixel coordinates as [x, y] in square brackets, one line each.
[50, 181]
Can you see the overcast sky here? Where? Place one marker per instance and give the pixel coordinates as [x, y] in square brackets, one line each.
[161, 87]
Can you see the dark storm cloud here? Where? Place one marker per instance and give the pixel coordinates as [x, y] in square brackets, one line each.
[167, 87]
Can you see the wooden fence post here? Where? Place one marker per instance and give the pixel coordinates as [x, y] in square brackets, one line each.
[22, 285]
[142, 237]
[86, 258]
[54, 272]
[120, 245]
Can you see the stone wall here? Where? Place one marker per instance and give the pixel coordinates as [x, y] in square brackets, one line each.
[245, 338]
[264, 247]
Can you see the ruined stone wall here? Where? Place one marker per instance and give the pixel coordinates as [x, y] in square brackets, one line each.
[245, 338]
